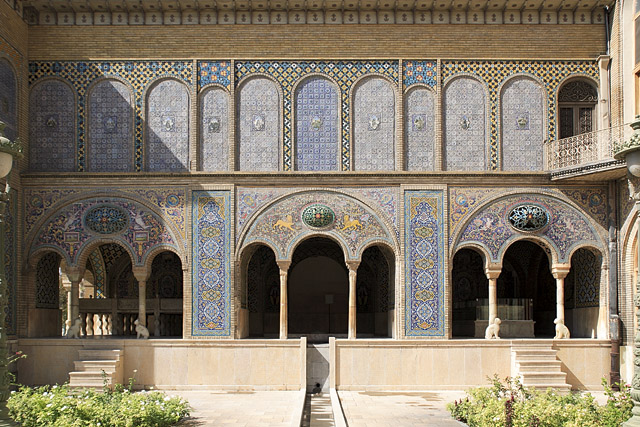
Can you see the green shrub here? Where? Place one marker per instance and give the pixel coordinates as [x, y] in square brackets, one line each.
[510, 404]
[61, 406]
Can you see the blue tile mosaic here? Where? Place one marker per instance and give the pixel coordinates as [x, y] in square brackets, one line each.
[110, 127]
[214, 129]
[374, 127]
[424, 263]
[167, 138]
[346, 73]
[317, 125]
[424, 72]
[138, 74]
[218, 72]
[211, 273]
[52, 127]
[494, 73]
[419, 128]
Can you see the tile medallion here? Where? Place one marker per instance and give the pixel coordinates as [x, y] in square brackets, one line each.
[281, 225]
[211, 268]
[566, 228]
[424, 263]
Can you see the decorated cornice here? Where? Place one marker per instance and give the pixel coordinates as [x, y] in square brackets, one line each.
[175, 12]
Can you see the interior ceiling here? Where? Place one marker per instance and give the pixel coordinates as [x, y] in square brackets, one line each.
[172, 5]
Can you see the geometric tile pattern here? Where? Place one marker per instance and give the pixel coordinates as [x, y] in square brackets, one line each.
[424, 72]
[345, 73]
[593, 200]
[137, 74]
[464, 125]
[214, 129]
[258, 125]
[8, 99]
[110, 127]
[47, 282]
[419, 129]
[167, 118]
[522, 123]
[424, 268]
[66, 230]
[586, 266]
[99, 273]
[281, 225]
[214, 72]
[317, 125]
[211, 274]
[374, 125]
[494, 73]
[52, 127]
[567, 227]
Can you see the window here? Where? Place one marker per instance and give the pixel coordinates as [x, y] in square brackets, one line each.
[577, 101]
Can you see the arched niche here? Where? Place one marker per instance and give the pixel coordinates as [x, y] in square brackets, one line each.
[110, 127]
[8, 98]
[420, 128]
[167, 127]
[214, 129]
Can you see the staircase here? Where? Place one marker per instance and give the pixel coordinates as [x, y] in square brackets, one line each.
[537, 366]
[89, 369]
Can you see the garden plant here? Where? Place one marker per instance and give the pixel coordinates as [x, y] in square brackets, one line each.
[510, 404]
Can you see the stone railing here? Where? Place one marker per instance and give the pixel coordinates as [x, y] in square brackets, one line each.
[585, 149]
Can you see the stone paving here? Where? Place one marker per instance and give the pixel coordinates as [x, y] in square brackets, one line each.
[237, 408]
[280, 408]
[393, 409]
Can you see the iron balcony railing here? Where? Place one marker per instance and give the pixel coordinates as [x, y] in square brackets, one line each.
[587, 148]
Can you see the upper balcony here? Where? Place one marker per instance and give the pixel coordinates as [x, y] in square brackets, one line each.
[588, 155]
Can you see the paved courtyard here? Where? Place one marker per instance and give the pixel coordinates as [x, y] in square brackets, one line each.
[283, 408]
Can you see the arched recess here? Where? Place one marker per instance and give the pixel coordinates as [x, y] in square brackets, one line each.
[469, 284]
[214, 129]
[374, 124]
[46, 313]
[577, 103]
[8, 98]
[465, 124]
[420, 128]
[110, 127]
[375, 292]
[318, 290]
[522, 124]
[259, 127]
[167, 126]
[260, 293]
[584, 313]
[317, 124]
[52, 126]
[354, 224]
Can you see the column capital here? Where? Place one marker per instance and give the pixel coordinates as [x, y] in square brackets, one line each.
[75, 274]
[141, 273]
[284, 265]
[492, 271]
[353, 265]
[560, 271]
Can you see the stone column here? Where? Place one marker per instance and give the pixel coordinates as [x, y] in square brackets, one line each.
[75, 275]
[284, 303]
[492, 272]
[353, 269]
[66, 285]
[559, 272]
[142, 275]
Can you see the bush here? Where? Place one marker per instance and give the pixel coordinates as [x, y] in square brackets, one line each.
[61, 406]
[510, 404]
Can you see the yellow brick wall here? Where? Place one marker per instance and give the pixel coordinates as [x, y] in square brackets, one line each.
[317, 42]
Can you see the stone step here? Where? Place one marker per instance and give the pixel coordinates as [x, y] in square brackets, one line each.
[96, 365]
[97, 354]
[539, 365]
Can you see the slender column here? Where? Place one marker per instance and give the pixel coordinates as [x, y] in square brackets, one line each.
[353, 269]
[493, 272]
[142, 275]
[559, 272]
[284, 303]
[75, 275]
